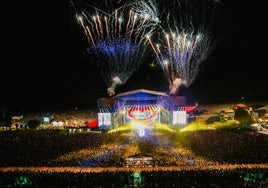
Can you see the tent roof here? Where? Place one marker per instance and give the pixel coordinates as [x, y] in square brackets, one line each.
[263, 108]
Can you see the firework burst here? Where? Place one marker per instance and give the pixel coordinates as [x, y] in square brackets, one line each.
[183, 44]
[119, 39]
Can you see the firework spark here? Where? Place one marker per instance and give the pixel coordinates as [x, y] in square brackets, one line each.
[118, 38]
[183, 46]
[180, 57]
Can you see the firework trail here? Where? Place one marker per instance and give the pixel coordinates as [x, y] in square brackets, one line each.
[184, 43]
[118, 37]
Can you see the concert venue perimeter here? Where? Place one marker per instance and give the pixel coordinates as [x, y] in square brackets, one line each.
[141, 138]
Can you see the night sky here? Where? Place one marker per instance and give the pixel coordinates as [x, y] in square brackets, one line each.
[44, 67]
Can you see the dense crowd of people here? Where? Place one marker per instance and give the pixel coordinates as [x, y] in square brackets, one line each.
[232, 178]
[59, 148]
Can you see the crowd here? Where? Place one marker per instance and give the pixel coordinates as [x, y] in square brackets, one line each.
[203, 178]
[59, 148]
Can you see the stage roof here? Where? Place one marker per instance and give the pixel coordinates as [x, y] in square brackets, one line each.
[140, 93]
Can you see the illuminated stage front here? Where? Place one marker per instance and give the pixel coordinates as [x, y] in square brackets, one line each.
[141, 112]
[144, 107]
